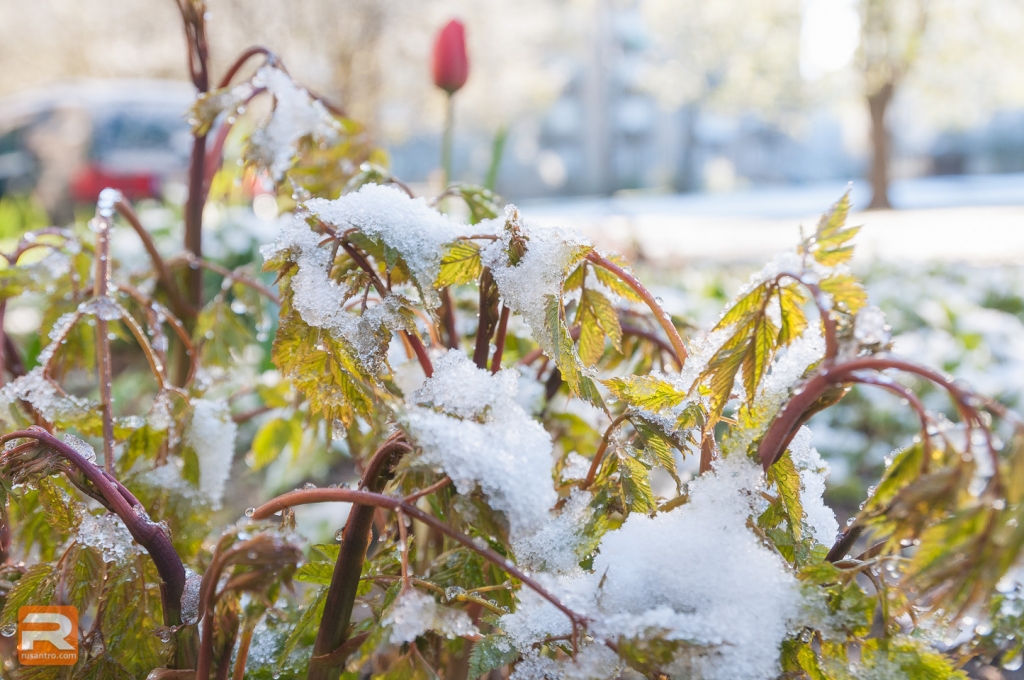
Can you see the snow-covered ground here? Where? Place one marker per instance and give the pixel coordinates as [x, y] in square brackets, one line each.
[978, 219]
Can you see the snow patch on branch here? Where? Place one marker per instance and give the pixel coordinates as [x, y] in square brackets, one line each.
[526, 286]
[417, 232]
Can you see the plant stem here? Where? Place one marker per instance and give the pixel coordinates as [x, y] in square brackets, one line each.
[678, 347]
[446, 142]
[499, 343]
[178, 304]
[595, 464]
[341, 594]
[122, 503]
[101, 223]
[366, 498]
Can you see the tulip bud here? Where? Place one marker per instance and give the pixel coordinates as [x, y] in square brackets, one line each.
[451, 65]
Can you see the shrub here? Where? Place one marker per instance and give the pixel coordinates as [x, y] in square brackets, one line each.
[511, 398]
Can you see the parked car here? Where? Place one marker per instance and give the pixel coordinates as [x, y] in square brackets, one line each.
[66, 143]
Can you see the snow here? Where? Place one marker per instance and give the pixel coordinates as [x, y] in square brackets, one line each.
[526, 287]
[818, 517]
[84, 448]
[712, 584]
[107, 534]
[555, 547]
[320, 301]
[211, 434]
[408, 225]
[414, 613]
[467, 422]
[190, 597]
[869, 327]
[295, 116]
[43, 396]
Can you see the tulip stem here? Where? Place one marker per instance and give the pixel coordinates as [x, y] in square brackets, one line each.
[446, 144]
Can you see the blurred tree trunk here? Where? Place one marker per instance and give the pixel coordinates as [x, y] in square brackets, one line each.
[878, 105]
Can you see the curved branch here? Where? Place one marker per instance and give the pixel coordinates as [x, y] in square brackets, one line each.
[178, 303]
[595, 464]
[678, 348]
[149, 535]
[366, 498]
[341, 594]
[253, 51]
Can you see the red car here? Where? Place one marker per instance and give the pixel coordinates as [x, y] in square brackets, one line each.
[66, 143]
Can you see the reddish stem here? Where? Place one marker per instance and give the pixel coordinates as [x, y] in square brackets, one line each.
[595, 464]
[366, 498]
[499, 342]
[149, 535]
[679, 349]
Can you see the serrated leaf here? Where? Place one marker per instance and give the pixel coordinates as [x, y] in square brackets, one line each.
[786, 478]
[747, 306]
[315, 572]
[305, 626]
[567, 358]
[33, 588]
[759, 355]
[634, 478]
[615, 284]
[794, 319]
[460, 264]
[848, 295]
[829, 245]
[490, 653]
[646, 392]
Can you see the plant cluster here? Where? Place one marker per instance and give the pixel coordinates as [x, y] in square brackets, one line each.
[553, 483]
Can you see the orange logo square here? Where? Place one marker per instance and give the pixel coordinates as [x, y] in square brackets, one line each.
[47, 636]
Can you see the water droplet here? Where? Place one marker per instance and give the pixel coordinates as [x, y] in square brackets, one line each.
[9, 630]
[309, 485]
[340, 534]
[249, 512]
[1015, 663]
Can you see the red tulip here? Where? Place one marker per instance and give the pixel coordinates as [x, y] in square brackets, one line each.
[451, 65]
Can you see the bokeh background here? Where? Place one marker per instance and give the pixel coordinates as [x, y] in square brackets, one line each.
[694, 136]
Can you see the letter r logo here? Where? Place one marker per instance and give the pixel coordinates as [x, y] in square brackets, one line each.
[47, 636]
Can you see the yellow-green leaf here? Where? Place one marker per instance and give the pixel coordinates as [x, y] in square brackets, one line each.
[460, 264]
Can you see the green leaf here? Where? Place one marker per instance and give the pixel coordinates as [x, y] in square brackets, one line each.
[270, 440]
[567, 359]
[794, 320]
[786, 478]
[646, 392]
[848, 295]
[615, 284]
[829, 243]
[305, 627]
[35, 587]
[460, 264]
[634, 478]
[490, 653]
[315, 572]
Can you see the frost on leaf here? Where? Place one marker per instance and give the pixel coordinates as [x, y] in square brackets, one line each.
[466, 421]
[529, 264]
[211, 434]
[296, 115]
[417, 233]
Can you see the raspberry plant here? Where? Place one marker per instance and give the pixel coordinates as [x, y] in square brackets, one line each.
[511, 398]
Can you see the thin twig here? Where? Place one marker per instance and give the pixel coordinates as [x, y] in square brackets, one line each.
[595, 464]
[679, 349]
[101, 277]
